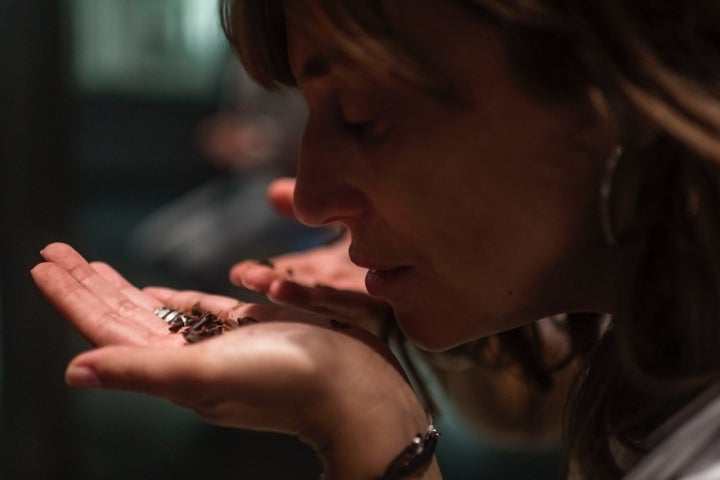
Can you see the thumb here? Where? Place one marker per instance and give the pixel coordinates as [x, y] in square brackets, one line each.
[158, 371]
[280, 194]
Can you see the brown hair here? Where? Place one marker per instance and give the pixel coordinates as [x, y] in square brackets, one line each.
[658, 67]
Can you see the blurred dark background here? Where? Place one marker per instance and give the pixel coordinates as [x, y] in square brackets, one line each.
[102, 102]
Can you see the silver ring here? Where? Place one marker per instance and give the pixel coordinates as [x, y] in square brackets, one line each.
[170, 314]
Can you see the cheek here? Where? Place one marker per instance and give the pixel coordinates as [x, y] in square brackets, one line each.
[517, 264]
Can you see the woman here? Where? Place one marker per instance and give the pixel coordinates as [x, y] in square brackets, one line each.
[494, 163]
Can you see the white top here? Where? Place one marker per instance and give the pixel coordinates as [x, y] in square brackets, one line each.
[690, 449]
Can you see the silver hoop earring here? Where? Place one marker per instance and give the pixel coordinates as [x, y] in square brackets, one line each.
[606, 187]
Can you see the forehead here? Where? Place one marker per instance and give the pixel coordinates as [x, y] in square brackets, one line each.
[324, 35]
[423, 41]
[305, 45]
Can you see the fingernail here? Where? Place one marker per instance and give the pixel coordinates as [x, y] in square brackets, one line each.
[279, 303]
[81, 377]
[249, 286]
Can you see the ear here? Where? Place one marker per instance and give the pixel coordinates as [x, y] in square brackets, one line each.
[597, 130]
[600, 132]
[601, 129]
[636, 134]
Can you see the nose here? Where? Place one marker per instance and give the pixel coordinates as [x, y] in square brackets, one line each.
[326, 188]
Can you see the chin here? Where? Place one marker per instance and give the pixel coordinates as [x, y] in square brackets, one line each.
[427, 334]
[440, 331]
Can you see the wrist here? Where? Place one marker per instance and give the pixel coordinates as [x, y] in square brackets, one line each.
[365, 444]
[366, 415]
[416, 457]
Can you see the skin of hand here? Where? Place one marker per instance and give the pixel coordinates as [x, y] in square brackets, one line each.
[292, 372]
[321, 280]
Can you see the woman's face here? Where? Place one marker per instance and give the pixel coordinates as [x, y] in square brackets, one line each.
[472, 218]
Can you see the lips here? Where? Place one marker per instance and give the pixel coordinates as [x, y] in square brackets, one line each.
[381, 275]
[379, 282]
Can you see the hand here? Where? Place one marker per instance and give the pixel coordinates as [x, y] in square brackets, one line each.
[321, 280]
[291, 372]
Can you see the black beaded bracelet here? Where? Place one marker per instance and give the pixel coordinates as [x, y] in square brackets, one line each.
[415, 456]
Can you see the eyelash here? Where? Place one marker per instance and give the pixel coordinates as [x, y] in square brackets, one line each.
[364, 131]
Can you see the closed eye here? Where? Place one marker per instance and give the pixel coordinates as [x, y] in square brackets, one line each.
[366, 130]
[363, 126]
[363, 115]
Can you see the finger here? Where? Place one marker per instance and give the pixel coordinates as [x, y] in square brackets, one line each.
[228, 384]
[181, 375]
[220, 305]
[253, 275]
[280, 194]
[187, 300]
[128, 289]
[71, 261]
[93, 318]
[156, 371]
[247, 356]
[362, 309]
